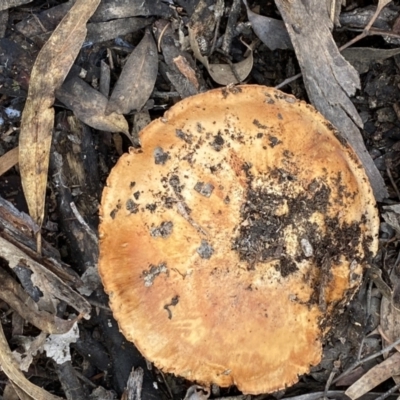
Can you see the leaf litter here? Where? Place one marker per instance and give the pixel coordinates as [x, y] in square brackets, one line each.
[178, 71]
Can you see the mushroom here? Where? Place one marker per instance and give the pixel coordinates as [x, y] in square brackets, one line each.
[233, 236]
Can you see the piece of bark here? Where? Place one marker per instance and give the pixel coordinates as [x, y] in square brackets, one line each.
[69, 381]
[360, 16]
[8, 160]
[73, 164]
[19, 229]
[10, 367]
[101, 31]
[3, 22]
[51, 287]
[105, 78]
[182, 84]
[329, 79]
[134, 385]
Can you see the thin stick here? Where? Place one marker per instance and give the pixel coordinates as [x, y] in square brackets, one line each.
[393, 182]
[369, 358]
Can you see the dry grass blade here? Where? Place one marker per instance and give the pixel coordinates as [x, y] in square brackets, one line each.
[10, 368]
[51, 66]
[8, 160]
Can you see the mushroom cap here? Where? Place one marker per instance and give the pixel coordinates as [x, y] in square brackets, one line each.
[230, 238]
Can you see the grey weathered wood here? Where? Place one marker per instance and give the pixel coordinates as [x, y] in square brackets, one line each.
[328, 77]
[6, 4]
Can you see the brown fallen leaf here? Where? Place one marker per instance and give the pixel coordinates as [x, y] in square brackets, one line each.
[89, 106]
[49, 71]
[222, 73]
[375, 376]
[137, 78]
[10, 367]
[8, 160]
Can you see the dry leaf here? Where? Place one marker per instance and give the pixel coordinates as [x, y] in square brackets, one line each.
[101, 31]
[8, 160]
[137, 78]
[10, 367]
[51, 66]
[222, 73]
[89, 106]
[270, 31]
[375, 376]
[361, 58]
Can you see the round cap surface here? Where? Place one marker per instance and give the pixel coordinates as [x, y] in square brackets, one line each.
[229, 238]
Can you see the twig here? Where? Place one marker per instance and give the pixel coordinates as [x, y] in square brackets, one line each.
[161, 36]
[389, 392]
[288, 80]
[219, 11]
[364, 33]
[393, 182]
[230, 28]
[369, 358]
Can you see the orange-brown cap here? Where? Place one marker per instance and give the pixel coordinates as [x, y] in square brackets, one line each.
[230, 237]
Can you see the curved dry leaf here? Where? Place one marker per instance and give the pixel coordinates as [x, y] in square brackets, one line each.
[222, 73]
[49, 71]
[270, 31]
[89, 106]
[137, 78]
